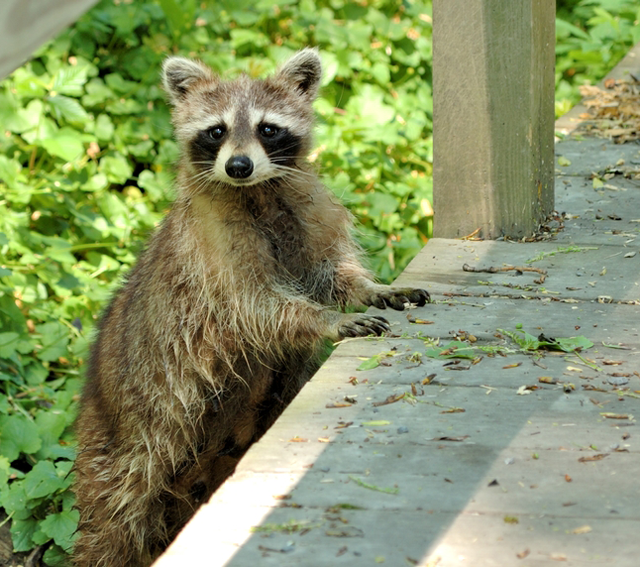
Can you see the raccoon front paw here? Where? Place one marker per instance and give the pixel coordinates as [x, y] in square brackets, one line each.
[363, 325]
[397, 297]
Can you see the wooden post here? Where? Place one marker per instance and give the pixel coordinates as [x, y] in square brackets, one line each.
[26, 24]
[493, 116]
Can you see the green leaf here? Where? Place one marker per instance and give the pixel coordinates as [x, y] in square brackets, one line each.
[42, 480]
[570, 344]
[50, 426]
[374, 361]
[9, 171]
[67, 145]
[454, 349]
[69, 80]
[55, 338]
[104, 128]
[370, 363]
[14, 500]
[22, 533]
[175, 14]
[61, 527]
[8, 344]
[4, 472]
[67, 108]
[18, 435]
[60, 252]
[55, 556]
[116, 168]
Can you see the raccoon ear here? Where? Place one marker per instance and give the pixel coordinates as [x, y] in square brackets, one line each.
[303, 71]
[179, 74]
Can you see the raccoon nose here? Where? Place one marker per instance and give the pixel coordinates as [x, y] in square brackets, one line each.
[239, 167]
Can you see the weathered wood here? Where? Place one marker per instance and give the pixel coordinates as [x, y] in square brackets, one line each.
[27, 24]
[493, 88]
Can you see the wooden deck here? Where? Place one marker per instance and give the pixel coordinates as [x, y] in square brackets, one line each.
[479, 462]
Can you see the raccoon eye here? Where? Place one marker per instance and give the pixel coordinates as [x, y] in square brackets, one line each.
[217, 132]
[268, 130]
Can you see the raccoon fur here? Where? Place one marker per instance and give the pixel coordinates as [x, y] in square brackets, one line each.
[224, 316]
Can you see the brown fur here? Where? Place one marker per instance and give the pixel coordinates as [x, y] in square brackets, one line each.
[217, 327]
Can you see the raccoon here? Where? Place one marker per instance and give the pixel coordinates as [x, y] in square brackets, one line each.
[224, 317]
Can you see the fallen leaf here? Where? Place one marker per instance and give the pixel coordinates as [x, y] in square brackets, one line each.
[597, 457]
[524, 390]
[346, 531]
[610, 415]
[523, 554]
[515, 365]
[454, 410]
[390, 400]
[582, 530]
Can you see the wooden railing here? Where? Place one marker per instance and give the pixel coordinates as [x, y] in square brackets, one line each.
[26, 24]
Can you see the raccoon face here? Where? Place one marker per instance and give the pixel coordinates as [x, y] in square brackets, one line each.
[243, 132]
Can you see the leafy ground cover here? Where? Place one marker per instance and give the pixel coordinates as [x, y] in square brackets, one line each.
[86, 173]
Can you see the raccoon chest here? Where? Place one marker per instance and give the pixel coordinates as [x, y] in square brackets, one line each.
[277, 223]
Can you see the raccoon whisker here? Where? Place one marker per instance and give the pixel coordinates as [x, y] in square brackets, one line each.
[293, 173]
[293, 169]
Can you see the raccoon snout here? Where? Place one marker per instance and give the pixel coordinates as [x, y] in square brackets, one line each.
[239, 167]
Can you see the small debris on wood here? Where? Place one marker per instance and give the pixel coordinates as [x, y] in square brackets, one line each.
[524, 390]
[454, 410]
[417, 321]
[592, 458]
[518, 269]
[390, 400]
[346, 531]
[428, 379]
[610, 415]
[582, 530]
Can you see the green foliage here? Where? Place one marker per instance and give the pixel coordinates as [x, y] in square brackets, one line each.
[86, 172]
[591, 37]
[529, 343]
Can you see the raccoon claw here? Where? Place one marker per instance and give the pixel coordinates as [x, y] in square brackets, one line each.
[397, 298]
[419, 296]
[364, 325]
